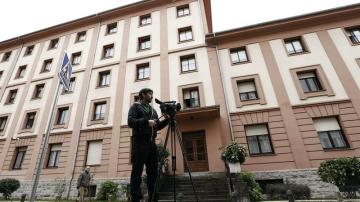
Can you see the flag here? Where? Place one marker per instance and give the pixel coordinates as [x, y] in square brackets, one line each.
[65, 72]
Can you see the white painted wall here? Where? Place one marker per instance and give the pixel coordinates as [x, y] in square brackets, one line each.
[132, 86]
[24, 60]
[202, 75]
[194, 20]
[98, 93]
[317, 56]
[46, 54]
[5, 66]
[348, 52]
[105, 39]
[136, 31]
[256, 66]
[10, 109]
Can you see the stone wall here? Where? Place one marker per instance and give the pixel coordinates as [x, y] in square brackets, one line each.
[307, 177]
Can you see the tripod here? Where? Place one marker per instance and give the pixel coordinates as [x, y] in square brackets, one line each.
[173, 131]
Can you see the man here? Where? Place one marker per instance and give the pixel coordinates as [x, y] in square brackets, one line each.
[83, 183]
[143, 120]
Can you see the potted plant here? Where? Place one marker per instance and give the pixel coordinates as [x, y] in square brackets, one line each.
[234, 155]
[163, 154]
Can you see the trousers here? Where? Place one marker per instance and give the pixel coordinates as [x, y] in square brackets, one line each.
[143, 154]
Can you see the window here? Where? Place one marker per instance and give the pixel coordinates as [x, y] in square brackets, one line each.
[1, 73]
[20, 154]
[183, 10]
[46, 66]
[76, 58]
[247, 90]
[38, 91]
[3, 121]
[309, 82]
[191, 98]
[71, 88]
[185, 34]
[294, 46]
[54, 44]
[11, 96]
[81, 36]
[143, 71]
[136, 98]
[21, 72]
[62, 115]
[29, 120]
[258, 139]
[145, 20]
[354, 35]
[188, 63]
[104, 78]
[54, 156]
[238, 55]
[330, 133]
[100, 111]
[144, 43]
[29, 50]
[94, 153]
[111, 28]
[108, 51]
[6, 56]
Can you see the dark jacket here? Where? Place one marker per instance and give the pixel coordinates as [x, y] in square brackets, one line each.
[138, 120]
[84, 179]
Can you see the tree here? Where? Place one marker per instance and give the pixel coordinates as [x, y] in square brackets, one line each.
[8, 186]
[342, 172]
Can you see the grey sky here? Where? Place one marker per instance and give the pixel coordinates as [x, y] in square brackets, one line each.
[18, 17]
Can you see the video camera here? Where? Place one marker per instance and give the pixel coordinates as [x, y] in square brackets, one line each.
[169, 107]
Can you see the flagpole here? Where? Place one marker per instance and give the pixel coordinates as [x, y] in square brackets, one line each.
[45, 143]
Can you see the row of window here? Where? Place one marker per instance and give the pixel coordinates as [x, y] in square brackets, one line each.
[293, 46]
[330, 134]
[99, 108]
[309, 81]
[257, 136]
[93, 156]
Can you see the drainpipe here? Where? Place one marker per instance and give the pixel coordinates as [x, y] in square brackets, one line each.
[224, 89]
[85, 100]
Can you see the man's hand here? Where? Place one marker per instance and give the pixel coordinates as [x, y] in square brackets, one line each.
[166, 116]
[152, 123]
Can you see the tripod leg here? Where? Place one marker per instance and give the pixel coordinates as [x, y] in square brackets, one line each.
[178, 133]
[161, 165]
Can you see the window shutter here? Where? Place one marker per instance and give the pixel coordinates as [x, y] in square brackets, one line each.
[94, 153]
[326, 124]
[254, 130]
[247, 86]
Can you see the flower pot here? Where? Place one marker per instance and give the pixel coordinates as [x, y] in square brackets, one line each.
[234, 167]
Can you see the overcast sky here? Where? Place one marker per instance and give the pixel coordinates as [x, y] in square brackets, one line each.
[18, 17]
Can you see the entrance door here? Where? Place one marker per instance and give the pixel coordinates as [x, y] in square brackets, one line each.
[195, 147]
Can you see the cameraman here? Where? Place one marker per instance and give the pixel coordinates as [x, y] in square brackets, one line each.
[143, 120]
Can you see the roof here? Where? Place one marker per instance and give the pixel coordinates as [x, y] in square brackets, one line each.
[295, 22]
[105, 15]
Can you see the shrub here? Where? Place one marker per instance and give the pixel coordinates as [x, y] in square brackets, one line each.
[255, 191]
[60, 185]
[8, 186]
[342, 172]
[278, 191]
[163, 152]
[108, 190]
[234, 153]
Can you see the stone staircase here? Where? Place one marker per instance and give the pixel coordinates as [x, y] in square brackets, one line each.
[210, 187]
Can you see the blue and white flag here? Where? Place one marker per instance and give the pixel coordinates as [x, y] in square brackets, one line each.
[65, 72]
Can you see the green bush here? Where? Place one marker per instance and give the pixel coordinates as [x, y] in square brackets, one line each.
[255, 191]
[8, 186]
[108, 190]
[278, 191]
[233, 153]
[340, 171]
